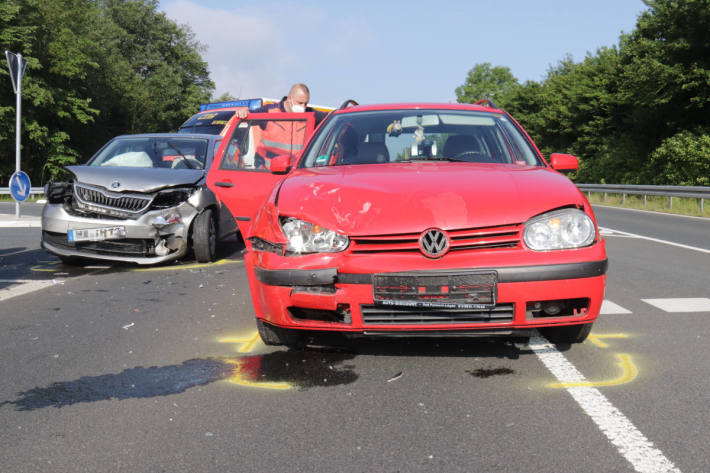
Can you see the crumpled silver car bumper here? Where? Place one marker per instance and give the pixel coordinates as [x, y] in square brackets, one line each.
[146, 240]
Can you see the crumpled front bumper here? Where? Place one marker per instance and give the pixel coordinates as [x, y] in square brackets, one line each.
[138, 246]
[337, 295]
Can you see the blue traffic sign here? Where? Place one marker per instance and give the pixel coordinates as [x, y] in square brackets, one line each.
[20, 186]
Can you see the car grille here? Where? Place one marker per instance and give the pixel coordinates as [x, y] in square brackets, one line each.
[376, 315]
[103, 200]
[507, 236]
[129, 246]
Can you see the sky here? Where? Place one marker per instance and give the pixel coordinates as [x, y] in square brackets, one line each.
[391, 51]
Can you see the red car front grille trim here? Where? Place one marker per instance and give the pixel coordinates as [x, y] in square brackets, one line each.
[376, 315]
[507, 236]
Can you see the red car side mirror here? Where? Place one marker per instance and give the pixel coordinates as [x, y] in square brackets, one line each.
[281, 164]
[564, 162]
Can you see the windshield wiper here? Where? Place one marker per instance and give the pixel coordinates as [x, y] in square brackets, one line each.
[434, 158]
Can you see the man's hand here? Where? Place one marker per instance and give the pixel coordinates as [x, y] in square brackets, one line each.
[242, 113]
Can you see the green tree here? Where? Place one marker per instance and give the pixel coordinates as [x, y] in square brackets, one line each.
[485, 81]
[624, 110]
[96, 68]
[664, 85]
[683, 159]
[152, 71]
[16, 38]
[59, 53]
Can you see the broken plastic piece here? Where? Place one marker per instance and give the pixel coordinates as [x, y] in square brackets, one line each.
[395, 377]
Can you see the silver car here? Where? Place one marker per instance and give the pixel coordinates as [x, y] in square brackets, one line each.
[139, 199]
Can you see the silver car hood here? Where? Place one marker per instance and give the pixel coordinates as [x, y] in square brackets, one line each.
[135, 179]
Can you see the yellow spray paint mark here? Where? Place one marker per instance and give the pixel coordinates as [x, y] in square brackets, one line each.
[244, 368]
[597, 339]
[628, 373]
[190, 266]
[46, 266]
[246, 343]
[240, 371]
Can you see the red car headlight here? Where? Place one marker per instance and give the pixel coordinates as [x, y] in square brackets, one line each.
[305, 237]
[561, 229]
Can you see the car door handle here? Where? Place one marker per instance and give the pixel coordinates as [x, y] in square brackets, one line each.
[224, 184]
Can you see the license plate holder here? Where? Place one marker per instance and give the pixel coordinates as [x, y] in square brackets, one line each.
[460, 290]
[97, 234]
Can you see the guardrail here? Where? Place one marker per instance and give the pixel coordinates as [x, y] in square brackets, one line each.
[693, 192]
[33, 191]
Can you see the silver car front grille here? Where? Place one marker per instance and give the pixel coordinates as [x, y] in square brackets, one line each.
[97, 199]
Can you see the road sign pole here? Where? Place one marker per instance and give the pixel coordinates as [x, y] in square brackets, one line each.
[18, 124]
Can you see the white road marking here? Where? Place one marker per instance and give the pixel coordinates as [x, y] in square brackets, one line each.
[686, 304]
[665, 242]
[609, 307]
[24, 286]
[612, 233]
[621, 432]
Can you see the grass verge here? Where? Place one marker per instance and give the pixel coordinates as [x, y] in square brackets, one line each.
[654, 203]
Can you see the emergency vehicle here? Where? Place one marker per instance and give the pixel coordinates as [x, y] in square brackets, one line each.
[214, 118]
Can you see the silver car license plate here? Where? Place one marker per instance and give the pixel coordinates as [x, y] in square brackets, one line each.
[97, 234]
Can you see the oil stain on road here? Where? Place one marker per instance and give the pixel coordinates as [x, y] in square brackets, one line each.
[300, 369]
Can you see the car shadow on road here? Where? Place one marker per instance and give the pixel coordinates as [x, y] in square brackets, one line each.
[37, 264]
[299, 369]
[488, 347]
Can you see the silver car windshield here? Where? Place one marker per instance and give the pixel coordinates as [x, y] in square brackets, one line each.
[164, 152]
[420, 135]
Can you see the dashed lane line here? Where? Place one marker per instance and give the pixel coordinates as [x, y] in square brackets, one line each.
[619, 430]
[685, 304]
[609, 308]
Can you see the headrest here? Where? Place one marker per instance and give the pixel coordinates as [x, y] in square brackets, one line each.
[373, 153]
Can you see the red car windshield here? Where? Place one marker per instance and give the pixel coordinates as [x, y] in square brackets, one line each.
[389, 136]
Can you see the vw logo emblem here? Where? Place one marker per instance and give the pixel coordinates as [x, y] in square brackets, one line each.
[434, 243]
[115, 185]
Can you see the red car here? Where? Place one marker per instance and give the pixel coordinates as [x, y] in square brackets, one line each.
[410, 220]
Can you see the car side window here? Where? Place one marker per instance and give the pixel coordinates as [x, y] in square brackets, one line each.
[236, 154]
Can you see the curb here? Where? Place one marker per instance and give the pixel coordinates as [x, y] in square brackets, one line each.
[9, 221]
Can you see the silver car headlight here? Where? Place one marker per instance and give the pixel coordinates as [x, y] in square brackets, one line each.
[561, 229]
[305, 237]
[172, 197]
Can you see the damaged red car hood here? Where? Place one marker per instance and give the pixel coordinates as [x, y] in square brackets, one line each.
[410, 197]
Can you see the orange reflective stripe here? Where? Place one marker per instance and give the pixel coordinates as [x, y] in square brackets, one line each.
[283, 146]
[283, 136]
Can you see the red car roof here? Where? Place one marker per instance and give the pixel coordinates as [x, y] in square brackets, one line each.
[419, 105]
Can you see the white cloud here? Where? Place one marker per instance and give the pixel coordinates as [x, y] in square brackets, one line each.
[262, 50]
[245, 49]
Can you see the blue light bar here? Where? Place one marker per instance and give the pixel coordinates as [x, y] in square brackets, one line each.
[253, 104]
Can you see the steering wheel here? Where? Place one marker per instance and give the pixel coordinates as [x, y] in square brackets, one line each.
[467, 154]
